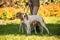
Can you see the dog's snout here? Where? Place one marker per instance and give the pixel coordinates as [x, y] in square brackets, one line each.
[16, 16]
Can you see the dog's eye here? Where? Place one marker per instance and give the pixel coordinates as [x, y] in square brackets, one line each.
[23, 15]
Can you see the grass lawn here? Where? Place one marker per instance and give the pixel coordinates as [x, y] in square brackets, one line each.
[10, 31]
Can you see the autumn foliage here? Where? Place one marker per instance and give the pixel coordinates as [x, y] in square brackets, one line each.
[45, 10]
[50, 9]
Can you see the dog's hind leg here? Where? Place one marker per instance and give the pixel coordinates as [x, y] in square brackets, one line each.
[43, 25]
[35, 29]
[41, 28]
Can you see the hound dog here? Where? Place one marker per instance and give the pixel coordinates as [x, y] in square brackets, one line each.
[31, 20]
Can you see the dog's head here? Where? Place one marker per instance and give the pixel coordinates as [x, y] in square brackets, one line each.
[21, 15]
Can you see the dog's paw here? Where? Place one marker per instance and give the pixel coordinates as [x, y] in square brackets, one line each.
[50, 34]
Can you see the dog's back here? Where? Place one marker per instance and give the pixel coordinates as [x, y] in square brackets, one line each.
[35, 17]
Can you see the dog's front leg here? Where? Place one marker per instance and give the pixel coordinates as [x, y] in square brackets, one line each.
[28, 29]
[20, 26]
[22, 29]
[21, 23]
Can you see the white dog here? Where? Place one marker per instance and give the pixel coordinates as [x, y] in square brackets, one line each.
[31, 20]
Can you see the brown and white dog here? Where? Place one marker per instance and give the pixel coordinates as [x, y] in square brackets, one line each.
[31, 20]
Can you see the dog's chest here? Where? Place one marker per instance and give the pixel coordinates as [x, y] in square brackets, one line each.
[26, 21]
[34, 17]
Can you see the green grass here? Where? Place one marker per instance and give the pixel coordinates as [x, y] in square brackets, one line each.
[10, 31]
[14, 29]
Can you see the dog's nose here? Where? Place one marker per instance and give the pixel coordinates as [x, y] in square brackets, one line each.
[16, 16]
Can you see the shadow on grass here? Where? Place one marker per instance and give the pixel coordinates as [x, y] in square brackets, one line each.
[13, 29]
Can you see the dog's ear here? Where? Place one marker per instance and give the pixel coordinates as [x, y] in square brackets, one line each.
[19, 14]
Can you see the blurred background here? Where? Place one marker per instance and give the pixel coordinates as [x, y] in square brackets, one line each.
[9, 25]
[8, 8]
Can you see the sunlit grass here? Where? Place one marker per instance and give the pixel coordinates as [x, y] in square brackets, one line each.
[32, 37]
[52, 20]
